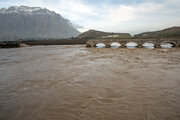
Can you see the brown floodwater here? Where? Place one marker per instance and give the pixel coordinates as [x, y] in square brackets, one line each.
[79, 83]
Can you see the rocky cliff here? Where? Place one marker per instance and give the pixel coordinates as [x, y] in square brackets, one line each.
[34, 22]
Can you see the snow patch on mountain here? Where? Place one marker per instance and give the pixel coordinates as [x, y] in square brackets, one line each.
[26, 10]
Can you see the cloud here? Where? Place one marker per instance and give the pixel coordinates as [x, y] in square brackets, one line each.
[114, 17]
[77, 26]
[139, 17]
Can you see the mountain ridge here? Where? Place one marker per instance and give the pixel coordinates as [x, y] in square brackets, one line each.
[34, 22]
[96, 34]
[167, 32]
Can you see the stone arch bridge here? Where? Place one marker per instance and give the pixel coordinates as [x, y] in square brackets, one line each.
[157, 42]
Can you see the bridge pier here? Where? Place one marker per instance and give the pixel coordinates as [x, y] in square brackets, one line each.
[178, 43]
[157, 46]
[108, 45]
[88, 45]
[123, 45]
[140, 46]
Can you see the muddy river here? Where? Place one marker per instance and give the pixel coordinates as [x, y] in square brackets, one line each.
[79, 83]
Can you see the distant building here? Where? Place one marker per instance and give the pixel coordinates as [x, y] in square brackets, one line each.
[110, 36]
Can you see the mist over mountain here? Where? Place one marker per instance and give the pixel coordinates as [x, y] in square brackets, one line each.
[34, 22]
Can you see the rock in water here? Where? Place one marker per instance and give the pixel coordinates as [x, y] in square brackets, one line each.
[34, 22]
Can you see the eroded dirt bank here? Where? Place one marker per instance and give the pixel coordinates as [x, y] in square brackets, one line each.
[76, 83]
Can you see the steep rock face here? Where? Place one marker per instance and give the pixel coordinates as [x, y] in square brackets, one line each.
[34, 22]
[169, 32]
[100, 34]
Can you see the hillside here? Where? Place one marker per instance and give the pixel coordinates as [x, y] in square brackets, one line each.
[34, 22]
[166, 33]
[100, 34]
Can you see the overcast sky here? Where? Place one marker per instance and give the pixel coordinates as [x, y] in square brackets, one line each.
[133, 16]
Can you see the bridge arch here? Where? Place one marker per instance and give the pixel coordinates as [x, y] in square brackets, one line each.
[144, 44]
[115, 44]
[99, 44]
[170, 42]
[131, 44]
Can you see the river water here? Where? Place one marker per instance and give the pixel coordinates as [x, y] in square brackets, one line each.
[79, 83]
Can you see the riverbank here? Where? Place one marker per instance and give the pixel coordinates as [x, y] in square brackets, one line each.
[72, 41]
[9, 44]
